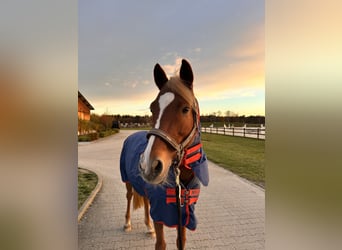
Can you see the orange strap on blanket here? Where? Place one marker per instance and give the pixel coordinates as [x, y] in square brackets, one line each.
[193, 149]
[187, 196]
[193, 158]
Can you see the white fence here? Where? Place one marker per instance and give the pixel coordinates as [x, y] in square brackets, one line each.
[251, 132]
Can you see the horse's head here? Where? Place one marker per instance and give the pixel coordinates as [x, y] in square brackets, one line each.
[174, 115]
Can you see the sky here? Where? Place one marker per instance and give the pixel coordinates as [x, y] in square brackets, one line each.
[120, 41]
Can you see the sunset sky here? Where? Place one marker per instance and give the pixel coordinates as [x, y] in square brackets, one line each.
[121, 41]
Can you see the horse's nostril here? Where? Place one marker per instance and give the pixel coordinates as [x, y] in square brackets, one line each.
[142, 164]
[157, 165]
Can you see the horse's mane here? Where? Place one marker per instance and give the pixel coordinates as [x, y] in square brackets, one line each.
[176, 85]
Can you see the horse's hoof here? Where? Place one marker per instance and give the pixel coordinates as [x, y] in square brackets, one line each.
[151, 232]
[127, 228]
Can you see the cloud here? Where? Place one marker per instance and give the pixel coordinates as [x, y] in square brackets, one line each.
[248, 52]
[253, 47]
[172, 69]
[226, 94]
[130, 84]
[230, 78]
[248, 94]
[242, 68]
[136, 104]
[170, 54]
[108, 84]
[195, 50]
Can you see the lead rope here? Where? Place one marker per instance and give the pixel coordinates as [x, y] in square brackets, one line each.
[178, 199]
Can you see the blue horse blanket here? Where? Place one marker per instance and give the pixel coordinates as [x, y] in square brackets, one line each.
[163, 197]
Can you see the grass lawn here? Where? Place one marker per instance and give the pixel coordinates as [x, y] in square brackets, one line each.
[87, 181]
[243, 156]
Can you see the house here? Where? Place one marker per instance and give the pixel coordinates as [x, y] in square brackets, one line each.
[84, 107]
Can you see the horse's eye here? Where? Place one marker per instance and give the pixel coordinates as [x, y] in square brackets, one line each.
[185, 110]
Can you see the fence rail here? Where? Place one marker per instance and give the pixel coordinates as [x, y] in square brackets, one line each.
[251, 132]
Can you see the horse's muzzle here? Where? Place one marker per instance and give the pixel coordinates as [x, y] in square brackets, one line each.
[152, 172]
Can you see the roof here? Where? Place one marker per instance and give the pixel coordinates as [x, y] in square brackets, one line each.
[85, 101]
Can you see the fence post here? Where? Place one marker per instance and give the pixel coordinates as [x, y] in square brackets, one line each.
[258, 132]
[224, 130]
[244, 132]
[233, 131]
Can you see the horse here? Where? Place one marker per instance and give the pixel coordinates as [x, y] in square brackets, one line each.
[163, 168]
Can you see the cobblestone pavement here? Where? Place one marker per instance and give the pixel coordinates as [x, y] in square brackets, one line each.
[230, 211]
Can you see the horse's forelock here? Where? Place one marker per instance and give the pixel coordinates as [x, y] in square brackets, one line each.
[176, 86]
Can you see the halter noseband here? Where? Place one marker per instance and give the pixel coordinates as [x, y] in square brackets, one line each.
[178, 147]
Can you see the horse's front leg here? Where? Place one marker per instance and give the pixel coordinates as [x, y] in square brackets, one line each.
[129, 194]
[150, 229]
[160, 241]
[183, 235]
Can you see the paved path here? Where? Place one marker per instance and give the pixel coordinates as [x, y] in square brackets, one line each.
[230, 211]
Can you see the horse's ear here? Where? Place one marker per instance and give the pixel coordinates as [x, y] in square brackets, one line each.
[160, 77]
[186, 73]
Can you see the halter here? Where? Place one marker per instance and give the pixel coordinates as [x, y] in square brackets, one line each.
[180, 148]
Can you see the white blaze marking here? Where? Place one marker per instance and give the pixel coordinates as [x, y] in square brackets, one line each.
[164, 101]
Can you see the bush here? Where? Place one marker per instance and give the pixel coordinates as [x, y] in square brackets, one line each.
[88, 137]
[97, 135]
[83, 138]
[108, 132]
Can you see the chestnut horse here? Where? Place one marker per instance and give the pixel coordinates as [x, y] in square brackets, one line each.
[163, 167]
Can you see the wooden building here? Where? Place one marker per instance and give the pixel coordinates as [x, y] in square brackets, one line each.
[84, 107]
